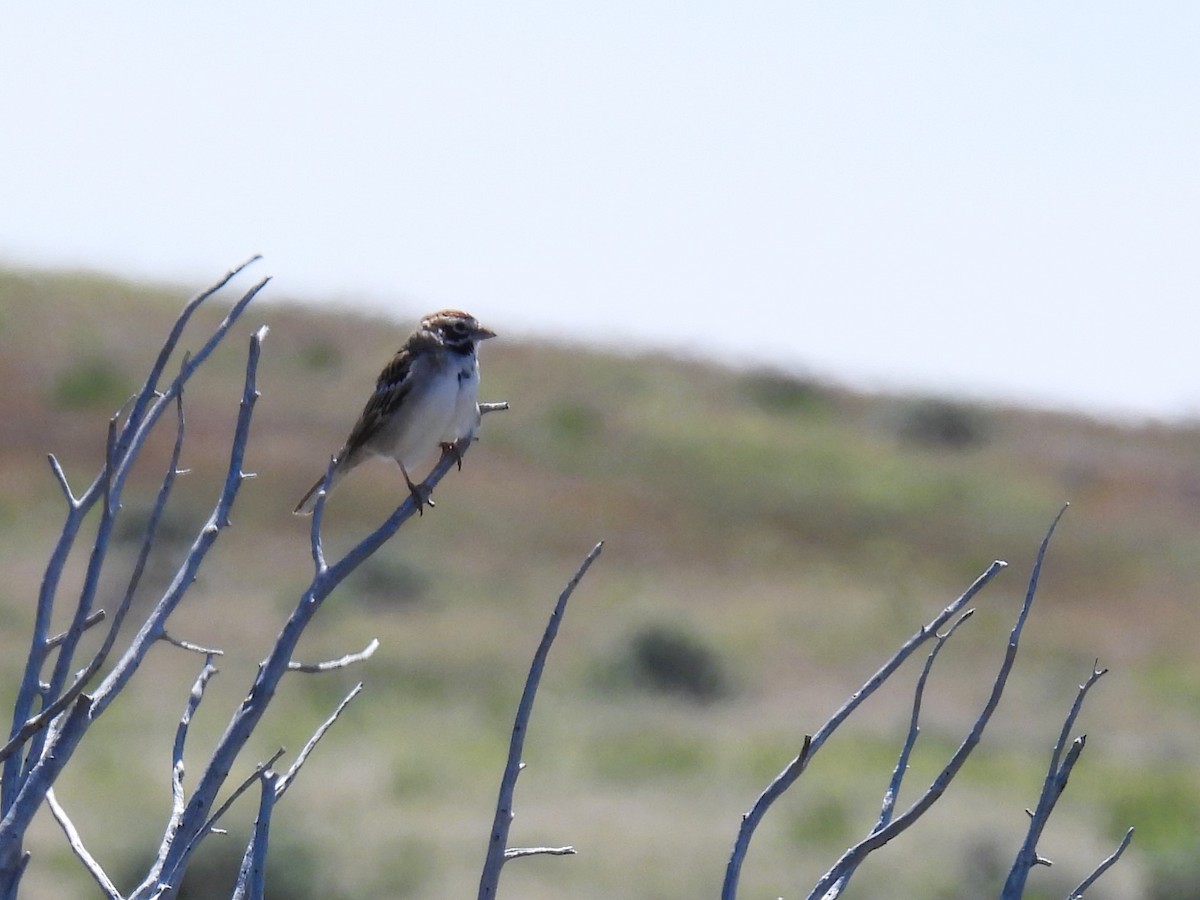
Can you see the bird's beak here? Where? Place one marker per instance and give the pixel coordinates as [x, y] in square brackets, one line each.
[482, 334]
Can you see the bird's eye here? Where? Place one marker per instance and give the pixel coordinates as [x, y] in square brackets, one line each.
[459, 327]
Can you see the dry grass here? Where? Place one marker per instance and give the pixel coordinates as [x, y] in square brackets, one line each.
[794, 531]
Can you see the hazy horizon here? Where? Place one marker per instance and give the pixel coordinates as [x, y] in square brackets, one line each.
[992, 203]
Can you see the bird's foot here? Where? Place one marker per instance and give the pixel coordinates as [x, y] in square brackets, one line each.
[455, 449]
[420, 495]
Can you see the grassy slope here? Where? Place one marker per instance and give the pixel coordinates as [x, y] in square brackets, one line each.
[791, 529]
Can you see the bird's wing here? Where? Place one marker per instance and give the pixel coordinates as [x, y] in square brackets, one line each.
[394, 384]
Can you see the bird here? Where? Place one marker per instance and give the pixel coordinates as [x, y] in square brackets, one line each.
[424, 398]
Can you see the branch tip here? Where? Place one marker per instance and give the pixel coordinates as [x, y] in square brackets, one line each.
[61, 477]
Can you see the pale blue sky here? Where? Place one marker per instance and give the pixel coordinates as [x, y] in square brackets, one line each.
[1000, 200]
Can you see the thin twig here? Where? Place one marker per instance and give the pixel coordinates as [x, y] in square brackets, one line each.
[210, 823]
[76, 842]
[286, 780]
[152, 628]
[1104, 866]
[149, 391]
[914, 726]
[538, 851]
[65, 662]
[498, 843]
[251, 882]
[61, 477]
[181, 731]
[901, 768]
[328, 665]
[28, 799]
[151, 530]
[189, 646]
[315, 542]
[94, 619]
[141, 422]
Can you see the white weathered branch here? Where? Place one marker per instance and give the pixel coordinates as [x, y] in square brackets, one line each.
[853, 856]
[1062, 762]
[189, 646]
[498, 842]
[516, 852]
[786, 778]
[342, 662]
[288, 777]
[252, 874]
[1104, 866]
[77, 847]
[178, 845]
[901, 768]
[61, 477]
[35, 755]
[195, 696]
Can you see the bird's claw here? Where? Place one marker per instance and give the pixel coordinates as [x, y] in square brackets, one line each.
[451, 448]
[420, 495]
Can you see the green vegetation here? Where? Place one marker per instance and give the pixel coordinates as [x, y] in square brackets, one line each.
[770, 540]
[91, 384]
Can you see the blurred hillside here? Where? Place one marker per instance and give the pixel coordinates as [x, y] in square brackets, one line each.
[769, 542]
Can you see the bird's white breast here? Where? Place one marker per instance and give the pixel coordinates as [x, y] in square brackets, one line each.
[440, 408]
[466, 405]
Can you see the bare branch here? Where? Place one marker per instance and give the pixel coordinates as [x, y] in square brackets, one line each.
[914, 728]
[89, 862]
[910, 740]
[826, 887]
[286, 781]
[34, 725]
[1104, 866]
[69, 644]
[251, 882]
[497, 845]
[497, 406]
[150, 390]
[254, 776]
[177, 766]
[61, 477]
[94, 619]
[27, 776]
[151, 530]
[318, 517]
[1055, 782]
[796, 767]
[516, 852]
[252, 874]
[152, 628]
[178, 845]
[145, 413]
[120, 452]
[30, 795]
[348, 660]
[189, 646]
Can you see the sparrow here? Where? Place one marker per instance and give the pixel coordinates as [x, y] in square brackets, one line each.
[425, 397]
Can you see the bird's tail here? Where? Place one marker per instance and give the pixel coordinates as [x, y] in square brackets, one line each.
[309, 501]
